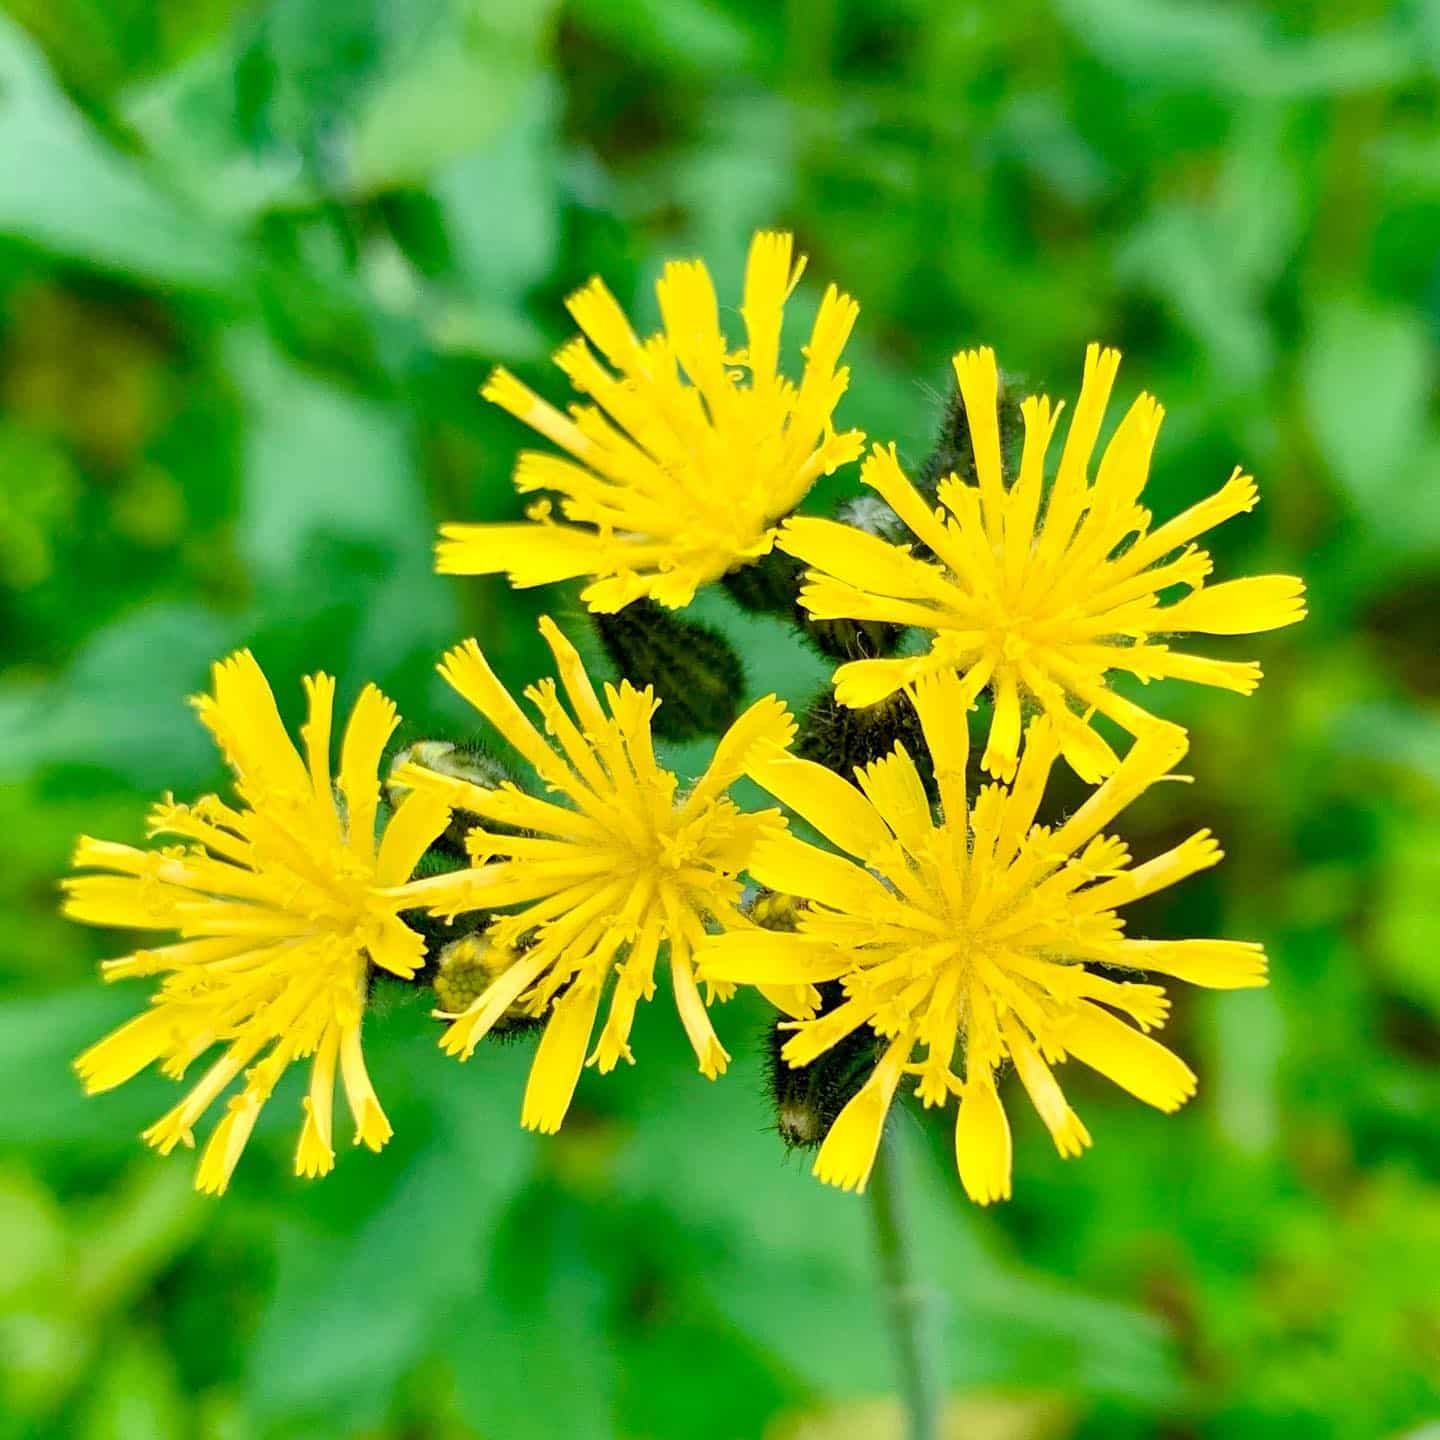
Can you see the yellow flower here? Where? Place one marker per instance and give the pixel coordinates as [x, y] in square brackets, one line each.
[980, 931]
[597, 880]
[281, 905]
[1039, 601]
[690, 453]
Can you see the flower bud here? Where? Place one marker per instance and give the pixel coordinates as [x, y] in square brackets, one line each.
[467, 968]
[840, 738]
[954, 452]
[696, 675]
[771, 586]
[808, 1099]
[461, 762]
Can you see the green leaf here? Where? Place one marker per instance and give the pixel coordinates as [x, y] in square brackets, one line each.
[1219, 48]
[319, 460]
[138, 1394]
[530, 1347]
[791, 1266]
[685, 34]
[517, 175]
[40, 1035]
[334, 522]
[64, 190]
[452, 80]
[1367, 375]
[354, 1309]
[120, 706]
[189, 119]
[309, 98]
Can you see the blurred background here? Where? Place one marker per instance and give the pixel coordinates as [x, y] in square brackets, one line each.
[255, 262]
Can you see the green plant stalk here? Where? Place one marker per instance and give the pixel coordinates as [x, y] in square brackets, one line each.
[914, 1317]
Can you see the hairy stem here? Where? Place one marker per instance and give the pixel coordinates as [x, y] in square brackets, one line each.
[913, 1313]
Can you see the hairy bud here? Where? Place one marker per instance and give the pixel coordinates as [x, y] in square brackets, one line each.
[461, 762]
[466, 970]
[696, 675]
[808, 1099]
[839, 738]
[771, 586]
[954, 452]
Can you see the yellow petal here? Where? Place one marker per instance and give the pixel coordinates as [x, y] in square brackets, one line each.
[1241, 676]
[832, 805]
[770, 275]
[422, 815]
[1040, 418]
[504, 390]
[893, 786]
[940, 702]
[528, 554]
[1133, 1061]
[227, 1143]
[982, 1141]
[477, 1021]
[242, 717]
[1003, 751]
[1153, 753]
[315, 1154]
[861, 683]
[315, 732]
[571, 670]
[782, 862]
[467, 671]
[1065, 1127]
[800, 1002]
[1196, 853]
[766, 725]
[864, 560]
[372, 722]
[848, 1154]
[695, 1018]
[125, 1052]
[980, 390]
[372, 1129]
[1066, 496]
[1239, 607]
[771, 957]
[556, 1068]
[394, 946]
[1215, 964]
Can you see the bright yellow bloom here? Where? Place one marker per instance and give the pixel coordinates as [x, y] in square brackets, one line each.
[600, 878]
[1039, 601]
[282, 906]
[981, 930]
[690, 453]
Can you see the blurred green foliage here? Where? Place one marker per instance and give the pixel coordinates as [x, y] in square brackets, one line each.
[255, 261]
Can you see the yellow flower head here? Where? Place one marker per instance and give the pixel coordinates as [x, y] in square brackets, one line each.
[690, 453]
[599, 878]
[980, 931]
[1039, 601]
[281, 905]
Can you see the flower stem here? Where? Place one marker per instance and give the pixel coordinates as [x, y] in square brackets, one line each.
[913, 1314]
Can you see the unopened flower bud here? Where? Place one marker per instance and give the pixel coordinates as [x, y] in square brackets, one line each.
[840, 738]
[808, 1099]
[468, 967]
[696, 675]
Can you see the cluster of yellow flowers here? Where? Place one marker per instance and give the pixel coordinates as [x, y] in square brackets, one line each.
[963, 933]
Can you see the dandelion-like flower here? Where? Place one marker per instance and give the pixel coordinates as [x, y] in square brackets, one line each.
[598, 879]
[690, 453]
[1039, 596]
[982, 931]
[283, 903]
